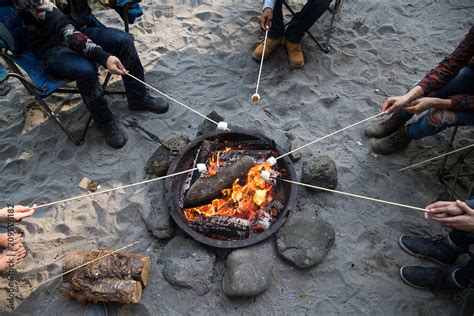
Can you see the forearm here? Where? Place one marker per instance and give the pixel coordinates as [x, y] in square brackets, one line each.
[415, 93]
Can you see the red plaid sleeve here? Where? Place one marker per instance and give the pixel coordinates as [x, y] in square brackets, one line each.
[450, 66]
[463, 102]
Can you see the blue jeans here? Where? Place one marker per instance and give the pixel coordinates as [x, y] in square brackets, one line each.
[464, 240]
[463, 83]
[66, 63]
[300, 23]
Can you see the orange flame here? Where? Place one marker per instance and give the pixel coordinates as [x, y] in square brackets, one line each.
[214, 163]
[239, 201]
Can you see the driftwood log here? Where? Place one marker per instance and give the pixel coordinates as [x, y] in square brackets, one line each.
[204, 190]
[103, 290]
[228, 227]
[119, 277]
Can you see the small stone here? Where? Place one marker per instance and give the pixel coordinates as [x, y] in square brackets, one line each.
[158, 164]
[320, 171]
[248, 271]
[207, 126]
[188, 264]
[305, 239]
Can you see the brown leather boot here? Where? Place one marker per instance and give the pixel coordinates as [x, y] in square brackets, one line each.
[386, 127]
[295, 55]
[392, 143]
[271, 45]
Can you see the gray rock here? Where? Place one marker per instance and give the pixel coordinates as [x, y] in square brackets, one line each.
[157, 218]
[188, 264]
[305, 239]
[248, 270]
[320, 171]
[158, 164]
[206, 126]
[281, 139]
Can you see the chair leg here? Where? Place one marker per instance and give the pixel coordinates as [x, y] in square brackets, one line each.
[450, 146]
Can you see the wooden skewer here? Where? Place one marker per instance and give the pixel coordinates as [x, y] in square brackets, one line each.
[82, 265]
[256, 96]
[331, 134]
[355, 195]
[437, 157]
[173, 99]
[114, 189]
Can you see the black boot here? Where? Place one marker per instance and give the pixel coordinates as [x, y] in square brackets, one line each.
[386, 127]
[149, 103]
[428, 278]
[393, 143]
[438, 249]
[113, 134]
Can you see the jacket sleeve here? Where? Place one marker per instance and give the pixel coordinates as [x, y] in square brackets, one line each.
[269, 4]
[450, 66]
[52, 19]
[462, 102]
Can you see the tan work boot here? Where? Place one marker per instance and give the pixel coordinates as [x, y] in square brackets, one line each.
[271, 45]
[295, 55]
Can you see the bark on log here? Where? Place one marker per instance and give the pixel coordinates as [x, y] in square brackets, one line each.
[204, 190]
[120, 265]
[104, 290]
[228, 227]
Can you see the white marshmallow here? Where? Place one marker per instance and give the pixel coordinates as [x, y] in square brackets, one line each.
[201, 167]
[265, 175]
[222, 126]
[271, 161]
[255, 98]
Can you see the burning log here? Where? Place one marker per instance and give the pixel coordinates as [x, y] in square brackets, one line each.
[119, 277]
[228, 227]
[204, 190]
[104, 290]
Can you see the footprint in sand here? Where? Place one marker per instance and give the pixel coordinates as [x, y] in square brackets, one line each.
[165, 10]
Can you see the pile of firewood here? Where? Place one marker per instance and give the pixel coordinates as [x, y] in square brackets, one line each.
[119, 277]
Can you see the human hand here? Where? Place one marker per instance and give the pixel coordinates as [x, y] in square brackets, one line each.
[266, 19]
[394, 103]
[443, 209]
[464, 221]
[422, 104]
[19, 212]
[115, 67]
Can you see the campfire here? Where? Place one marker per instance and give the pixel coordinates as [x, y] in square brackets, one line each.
[231, 202]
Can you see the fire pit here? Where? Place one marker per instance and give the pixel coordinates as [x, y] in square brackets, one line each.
[246, 209]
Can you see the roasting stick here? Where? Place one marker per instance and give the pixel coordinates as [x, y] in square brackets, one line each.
[434, 158]
[82, 265]
[118, 188]
[256, 96]
[353, 195]
[331, 134]
[220, 125]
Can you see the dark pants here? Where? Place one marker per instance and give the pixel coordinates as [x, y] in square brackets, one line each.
[426, 126]
[300, 23]
[66, 63]
[465, 275]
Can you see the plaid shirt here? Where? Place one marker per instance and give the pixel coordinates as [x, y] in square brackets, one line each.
[462, 56]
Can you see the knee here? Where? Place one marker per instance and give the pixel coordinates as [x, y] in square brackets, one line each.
[122, 40]
[88, 72]
[440, 117]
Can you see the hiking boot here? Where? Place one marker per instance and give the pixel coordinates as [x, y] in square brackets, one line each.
[429, 278]
[113, 134]
[386, 127]
[438, 249]
[393, 143]
[153, 104]
[271, 45]
[295, 55]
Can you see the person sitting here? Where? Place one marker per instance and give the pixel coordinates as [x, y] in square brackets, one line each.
[272, 19]
[12, 242]
[443, 250]
[446, 93]
[70, 47]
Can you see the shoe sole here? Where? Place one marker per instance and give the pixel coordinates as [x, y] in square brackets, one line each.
[408, 251]
[409, 283]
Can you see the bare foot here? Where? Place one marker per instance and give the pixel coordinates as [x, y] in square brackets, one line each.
[17, 238]
[20, 212]
[10, 258]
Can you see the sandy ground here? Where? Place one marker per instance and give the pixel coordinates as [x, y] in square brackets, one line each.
[199, 51]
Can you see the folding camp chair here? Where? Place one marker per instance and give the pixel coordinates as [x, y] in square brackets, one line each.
[325, 48]
[13, 50]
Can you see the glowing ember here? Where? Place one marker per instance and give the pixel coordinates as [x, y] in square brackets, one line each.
[239, 201]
